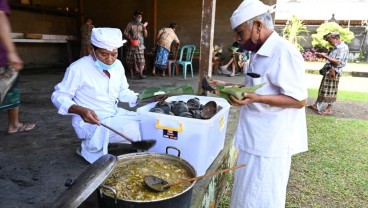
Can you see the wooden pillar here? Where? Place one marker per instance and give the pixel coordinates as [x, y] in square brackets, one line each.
[81, 13]
[154, 22]
[206, 44]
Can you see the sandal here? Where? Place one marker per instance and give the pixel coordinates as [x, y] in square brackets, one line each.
[231, 75]
[325, 112]
[22, 128]
[312, 107]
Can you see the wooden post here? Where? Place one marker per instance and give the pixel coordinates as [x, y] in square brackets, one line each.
[154, 22]
[81, 14]
[206, 44]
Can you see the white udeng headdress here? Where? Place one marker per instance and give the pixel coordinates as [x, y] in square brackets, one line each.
[107, 38]
[247, 10]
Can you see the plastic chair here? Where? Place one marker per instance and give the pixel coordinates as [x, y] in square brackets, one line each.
[174, 51]
[185, 59]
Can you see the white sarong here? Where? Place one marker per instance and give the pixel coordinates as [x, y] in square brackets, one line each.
[95, 144]
[262, 183]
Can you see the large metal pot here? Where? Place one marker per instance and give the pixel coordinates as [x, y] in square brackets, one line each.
[94, 176]
[180, 200]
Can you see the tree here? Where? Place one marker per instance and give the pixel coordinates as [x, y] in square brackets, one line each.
[318, 42]
[293, 28]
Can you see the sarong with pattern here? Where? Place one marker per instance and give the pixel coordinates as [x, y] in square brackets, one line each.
[328, 89]
[162, 58]
[135, 55]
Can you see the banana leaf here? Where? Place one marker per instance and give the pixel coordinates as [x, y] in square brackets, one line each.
[233, 49]
[226, 91]
[152, 92]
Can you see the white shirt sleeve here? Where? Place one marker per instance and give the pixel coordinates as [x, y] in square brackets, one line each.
[127, 95]
[64, 92]
[290, 76]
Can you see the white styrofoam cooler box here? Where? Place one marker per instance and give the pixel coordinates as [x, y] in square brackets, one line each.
[199, 140]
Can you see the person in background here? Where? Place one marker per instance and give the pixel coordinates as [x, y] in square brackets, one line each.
[135, 32]
[216, 58]
[9, 60]
[90, 92]
[238, 59]
[165, 37]
[337, 57]
[86, 30]
[272, 121]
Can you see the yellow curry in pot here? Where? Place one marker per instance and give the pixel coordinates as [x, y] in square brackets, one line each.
[127, 178]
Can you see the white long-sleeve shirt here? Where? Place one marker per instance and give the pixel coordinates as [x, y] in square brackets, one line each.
[271, 131]
[86, 85]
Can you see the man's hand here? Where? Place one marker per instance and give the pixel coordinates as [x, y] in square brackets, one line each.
[14, 61]
[248, 98]
[320, 55]
[332, 73]
[216, 82]
[88, 115]
[160, 98]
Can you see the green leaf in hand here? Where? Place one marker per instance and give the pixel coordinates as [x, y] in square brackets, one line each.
[237, 92]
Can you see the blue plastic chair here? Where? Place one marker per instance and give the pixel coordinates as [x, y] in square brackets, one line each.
[185, 59]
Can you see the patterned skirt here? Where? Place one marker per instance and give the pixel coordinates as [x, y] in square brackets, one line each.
[328, 89]
[162, 58]
[135, 56]
[12, 98]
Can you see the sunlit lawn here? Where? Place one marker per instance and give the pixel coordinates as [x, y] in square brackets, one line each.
[334, 172]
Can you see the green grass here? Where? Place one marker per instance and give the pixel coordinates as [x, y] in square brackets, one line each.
[334, 172]
[343, 95]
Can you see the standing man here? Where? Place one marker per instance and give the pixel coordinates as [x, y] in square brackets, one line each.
[90, 92]
[135, 32]
[337, 58]
[272, 122]
[165, 37]
[9, 59]
[86, 30]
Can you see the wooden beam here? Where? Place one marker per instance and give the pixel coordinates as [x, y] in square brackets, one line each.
[206, 43]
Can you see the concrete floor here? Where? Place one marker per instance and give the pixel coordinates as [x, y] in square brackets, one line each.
[35, 165]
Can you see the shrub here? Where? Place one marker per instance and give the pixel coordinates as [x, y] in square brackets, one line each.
[318, 42]
[309, 55]
[293, 28]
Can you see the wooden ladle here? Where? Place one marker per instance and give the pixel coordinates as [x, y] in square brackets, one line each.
[142, 145]
[160, 185]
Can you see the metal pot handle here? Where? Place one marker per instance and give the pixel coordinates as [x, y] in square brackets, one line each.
[171, 147]
[110, 189]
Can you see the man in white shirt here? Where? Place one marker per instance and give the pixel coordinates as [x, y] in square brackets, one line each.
[272, 123]
[90, 91]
